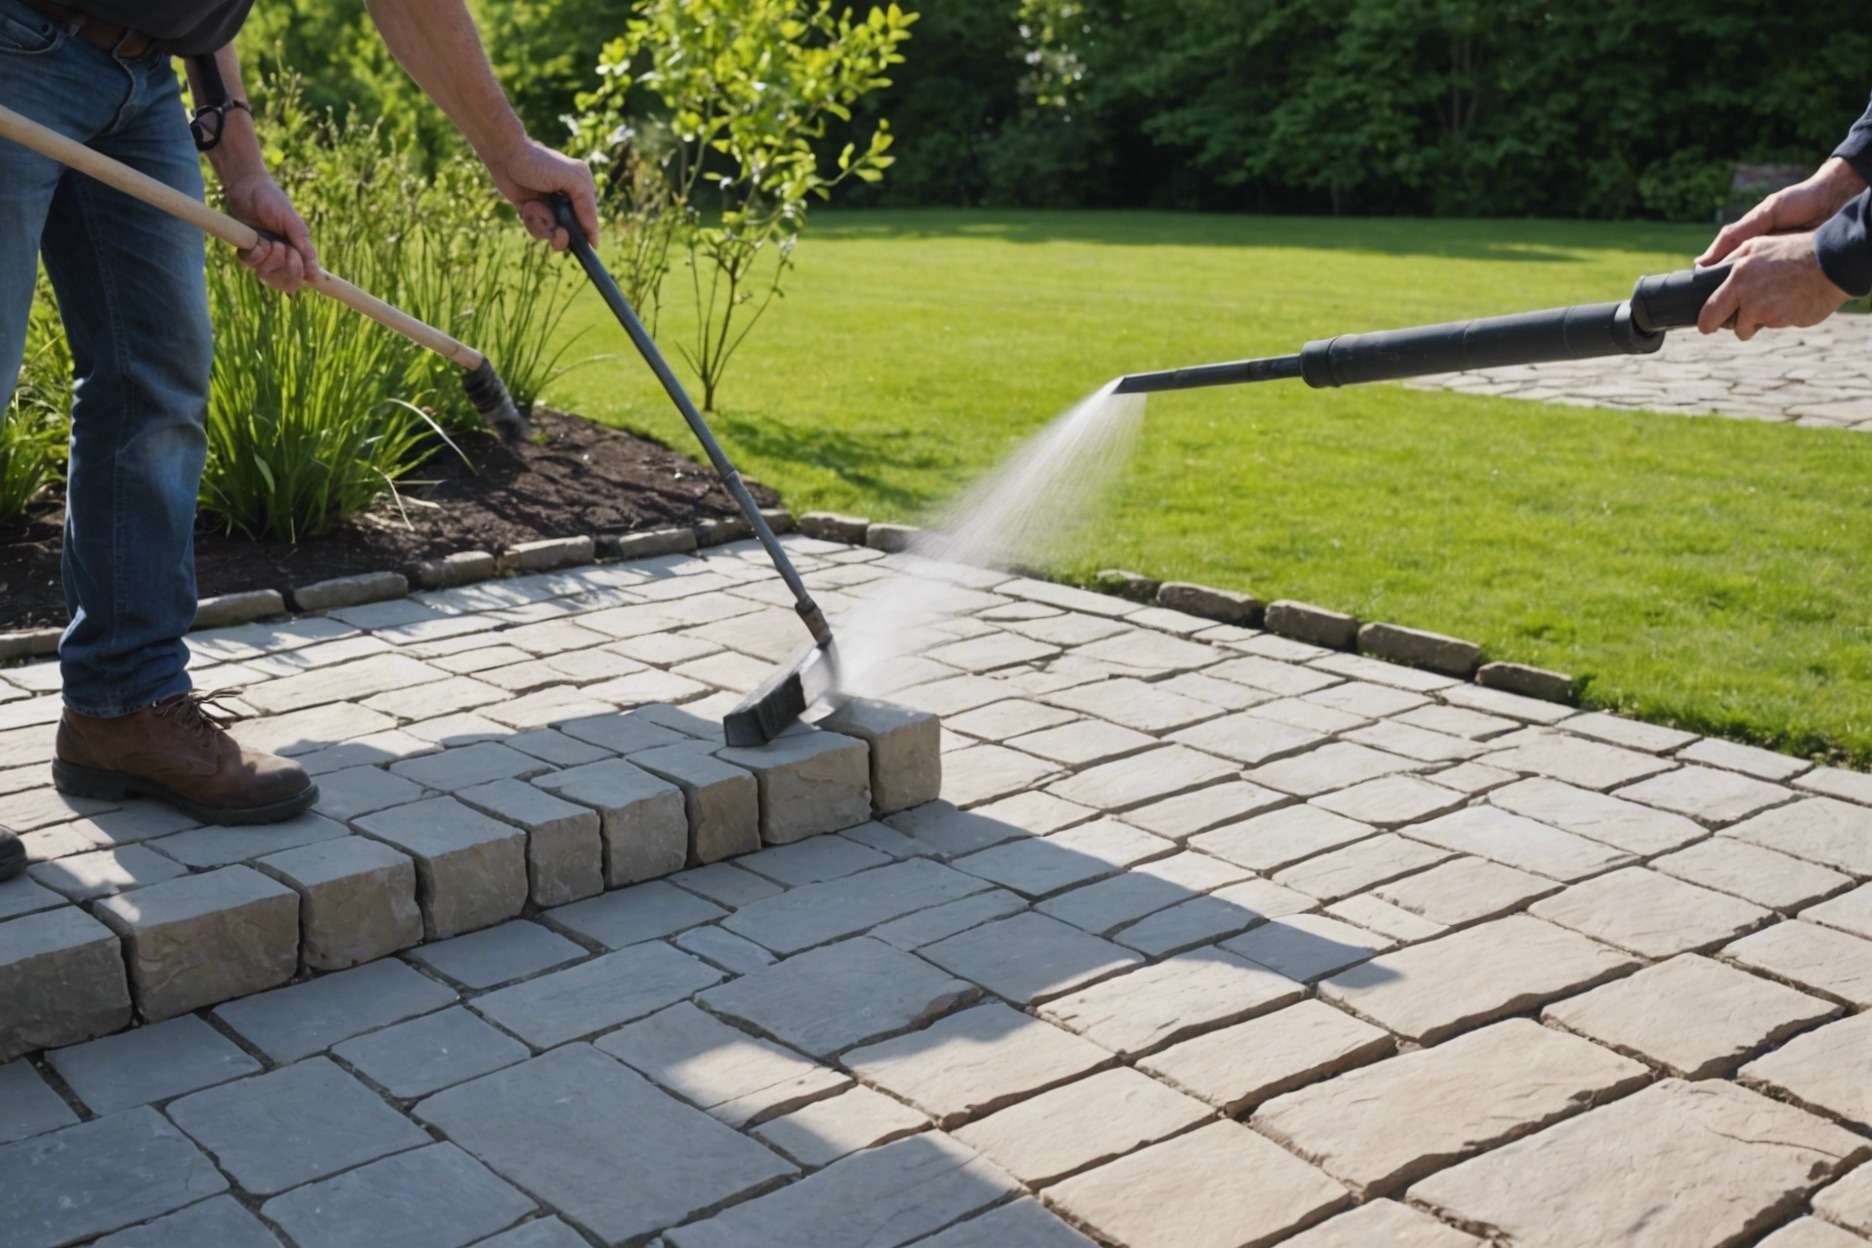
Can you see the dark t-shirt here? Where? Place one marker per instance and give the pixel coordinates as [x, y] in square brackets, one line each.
[189, 27]
[1844, 244]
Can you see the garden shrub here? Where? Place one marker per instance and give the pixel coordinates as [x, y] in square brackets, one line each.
[705, 127]
[35, 425]
[315, 411]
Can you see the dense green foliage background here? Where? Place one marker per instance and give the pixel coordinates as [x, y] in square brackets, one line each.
[1455, 107]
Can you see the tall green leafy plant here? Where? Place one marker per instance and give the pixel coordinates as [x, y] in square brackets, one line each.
[315, 412]
[742, 91]
[36, 422]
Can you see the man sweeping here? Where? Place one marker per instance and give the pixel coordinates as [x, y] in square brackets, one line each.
[1801, 252]
[133, 298]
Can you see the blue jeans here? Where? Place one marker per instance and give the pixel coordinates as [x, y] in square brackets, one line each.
[134, 300]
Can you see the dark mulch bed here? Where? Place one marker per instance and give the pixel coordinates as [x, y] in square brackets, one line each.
[584, 478]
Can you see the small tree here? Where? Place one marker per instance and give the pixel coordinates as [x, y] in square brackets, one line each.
[745, 89]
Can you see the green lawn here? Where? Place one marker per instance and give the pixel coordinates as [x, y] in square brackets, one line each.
[1707, 573]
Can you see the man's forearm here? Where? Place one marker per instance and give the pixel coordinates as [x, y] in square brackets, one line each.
[437, 43]
[238, 154]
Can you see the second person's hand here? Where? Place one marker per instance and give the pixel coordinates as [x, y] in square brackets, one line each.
[1775, 283]
[1799, 207]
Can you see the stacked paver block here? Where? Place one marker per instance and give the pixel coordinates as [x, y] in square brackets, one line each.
[905, 747]
[357, 900]
[643, 819]
[565, 855]
[722, 801]
[61, 981]
[810, 782]
[470, 869]
[205, 938]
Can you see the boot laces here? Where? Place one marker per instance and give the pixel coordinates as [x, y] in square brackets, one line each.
[199, 714]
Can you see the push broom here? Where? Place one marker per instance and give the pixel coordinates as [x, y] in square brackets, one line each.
[812, 672]
[485, 388]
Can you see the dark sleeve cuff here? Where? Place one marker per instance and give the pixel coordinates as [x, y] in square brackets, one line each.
[1844, 246]
[1857, 149]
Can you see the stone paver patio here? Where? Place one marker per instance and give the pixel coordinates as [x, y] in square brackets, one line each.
[1218, 939]
[1820, 376]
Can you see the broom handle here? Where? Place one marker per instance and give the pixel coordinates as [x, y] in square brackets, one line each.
[113, 173]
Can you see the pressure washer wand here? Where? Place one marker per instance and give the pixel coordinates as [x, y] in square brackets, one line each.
[770, 709]
[1635, 326]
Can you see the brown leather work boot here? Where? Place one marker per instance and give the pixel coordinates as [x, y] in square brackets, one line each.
[12, 856]
[178, 753]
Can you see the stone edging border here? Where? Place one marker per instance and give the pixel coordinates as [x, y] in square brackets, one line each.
[461, 568]
[1299, 621]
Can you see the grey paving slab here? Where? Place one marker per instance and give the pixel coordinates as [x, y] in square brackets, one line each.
[145, 1168]
[817, 913]
[1142, 778]
[1145, 1009]
[1215, 1187]
[593, 996]
[1027, 957]
[1615, 821]
[81, 877]
[1736, 1160]
[1430, 991]
[1236, 1068]
[632, 915]
[600, 1144]
[497, 955]
[973, 1062]
[150, 1063]
[1752, 873]
[728, 885]
[1082, 1124]
[290, 1126]
[1383, 1126]
[1040, 866]
[1821, 829]
[216, 846]
[219, 1221]
[926, 927]
[290, 1023]
[735, 954]
[435, 1197]
[837, 996]
[1105, 905]
[734, 1076]
[880, 1198]
[1695, 1017]
[427, 1054]
[1202, 920]
[820, 1133]
[812, 860]
[1024, 1222]
[947, 832]
[1383, 1222]
[27, 1105]
[21, 896]
[1818, 959]
[360, 790]
[1829, 1068]
[539, 1233]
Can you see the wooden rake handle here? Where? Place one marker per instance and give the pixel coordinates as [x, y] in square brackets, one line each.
[113, 173]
